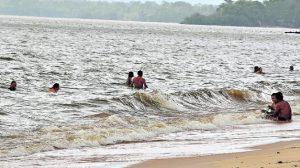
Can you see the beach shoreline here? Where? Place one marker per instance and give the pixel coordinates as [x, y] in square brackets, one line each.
[282, 154]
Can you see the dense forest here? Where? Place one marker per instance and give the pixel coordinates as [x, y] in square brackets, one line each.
[135, 11]
[279, 13]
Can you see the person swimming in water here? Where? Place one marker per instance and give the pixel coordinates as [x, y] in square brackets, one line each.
[13, 86]
[139, 82]
[256, 69]
[283, 111]
[129, 81]
[291, 68]
[54, 88]
[260, 71]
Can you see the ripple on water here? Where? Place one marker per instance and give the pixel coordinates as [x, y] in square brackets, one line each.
[199, 77]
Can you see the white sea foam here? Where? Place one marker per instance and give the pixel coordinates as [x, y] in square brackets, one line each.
[116, 129]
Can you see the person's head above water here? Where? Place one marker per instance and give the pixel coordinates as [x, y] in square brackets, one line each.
[259, 71]
[13, 85]
[273, 97]
[140, 73]
[256, 68]
[130, 74]
[54, 88]
[279, 96]
[291, 68]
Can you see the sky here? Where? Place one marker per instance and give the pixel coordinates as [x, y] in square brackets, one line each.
[213, 2]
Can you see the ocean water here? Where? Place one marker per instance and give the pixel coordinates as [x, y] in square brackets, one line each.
[203, 96]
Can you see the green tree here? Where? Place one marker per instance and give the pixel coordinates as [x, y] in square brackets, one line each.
[284, 13]
[137, 11]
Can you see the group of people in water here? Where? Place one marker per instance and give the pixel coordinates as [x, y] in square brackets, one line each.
[136, 82]
[258, 70]
[53, 89]
[279, 110]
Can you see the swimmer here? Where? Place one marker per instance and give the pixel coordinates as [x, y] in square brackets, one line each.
[13, 86]
[54, 88]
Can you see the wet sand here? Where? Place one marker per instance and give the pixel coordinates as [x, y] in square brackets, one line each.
[277, 155]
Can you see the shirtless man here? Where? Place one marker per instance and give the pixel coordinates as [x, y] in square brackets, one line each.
[139, 82]
[283, 111]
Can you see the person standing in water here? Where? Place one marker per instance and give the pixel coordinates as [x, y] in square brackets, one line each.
[129, 81]
[13, 86]
[139, 82]
[54, 88]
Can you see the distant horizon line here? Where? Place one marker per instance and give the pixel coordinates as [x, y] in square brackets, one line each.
[193, 2]
[77, 18]
[174, 23]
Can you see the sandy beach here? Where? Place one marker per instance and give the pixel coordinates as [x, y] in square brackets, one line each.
[277, 155]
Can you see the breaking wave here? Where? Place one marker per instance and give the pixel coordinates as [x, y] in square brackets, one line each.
[112, 129]
[143, 116]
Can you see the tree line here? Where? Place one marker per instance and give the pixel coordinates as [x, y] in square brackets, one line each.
[134, 11]
[270, 13]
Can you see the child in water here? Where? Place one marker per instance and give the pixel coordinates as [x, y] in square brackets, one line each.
[129, 81]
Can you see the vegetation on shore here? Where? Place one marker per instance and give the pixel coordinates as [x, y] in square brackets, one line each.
[270, 13]
[87, 9]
